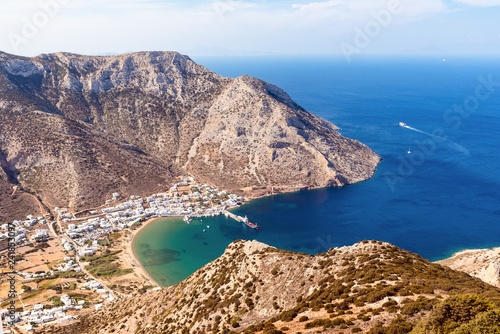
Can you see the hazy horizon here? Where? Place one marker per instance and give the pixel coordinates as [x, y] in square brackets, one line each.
[259, 27]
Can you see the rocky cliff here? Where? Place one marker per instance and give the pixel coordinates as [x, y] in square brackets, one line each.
[76, 128]
[254, 288]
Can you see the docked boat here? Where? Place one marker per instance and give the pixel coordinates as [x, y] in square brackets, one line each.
[252, 225]
[187, 219]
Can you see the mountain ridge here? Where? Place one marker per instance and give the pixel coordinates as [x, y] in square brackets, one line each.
[255, 288]
[111, 120]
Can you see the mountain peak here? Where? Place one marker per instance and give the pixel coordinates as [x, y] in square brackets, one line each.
[241, 134]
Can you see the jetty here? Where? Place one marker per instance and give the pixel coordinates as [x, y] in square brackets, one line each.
[240, 219]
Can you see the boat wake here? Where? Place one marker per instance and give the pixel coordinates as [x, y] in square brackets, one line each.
[452, 144]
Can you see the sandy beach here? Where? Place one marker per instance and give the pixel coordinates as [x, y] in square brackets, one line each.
[132, 257]
[136, 264]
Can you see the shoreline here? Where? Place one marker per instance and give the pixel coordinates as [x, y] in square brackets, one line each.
[473, 250]
[130, 248]
[481, 263]
[466, 252]
[247, 200]
[131, 252]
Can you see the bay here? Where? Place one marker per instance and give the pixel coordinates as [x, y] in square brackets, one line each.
[441, 198]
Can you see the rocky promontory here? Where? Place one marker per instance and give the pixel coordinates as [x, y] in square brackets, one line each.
[76, 128]
[369, 287]
[481, 263]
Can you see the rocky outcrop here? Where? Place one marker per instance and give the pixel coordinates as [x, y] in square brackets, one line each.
[253, 288]
[76, 128]
[481, 263]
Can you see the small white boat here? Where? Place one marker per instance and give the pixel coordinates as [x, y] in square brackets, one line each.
[402, 124]
[187, 219]
[409, 151]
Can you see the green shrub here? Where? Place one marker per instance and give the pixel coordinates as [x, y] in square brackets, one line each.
[421, 304]
[486, 323]
[319, 323]
[288, 315]
[454, 312]
[397, 326]
[273, 331]
[275, 270]
[337, 321]
[389, 303]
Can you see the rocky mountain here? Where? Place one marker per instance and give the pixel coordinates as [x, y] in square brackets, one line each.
[74, 129]
[371, 287]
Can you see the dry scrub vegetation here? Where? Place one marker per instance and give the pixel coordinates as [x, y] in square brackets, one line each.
[370, 287]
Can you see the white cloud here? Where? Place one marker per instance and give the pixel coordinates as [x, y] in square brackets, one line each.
[480, 3]
[423, 8]
[355, 9]
[319, 5]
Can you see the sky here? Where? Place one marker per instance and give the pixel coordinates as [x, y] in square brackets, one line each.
[252, 27]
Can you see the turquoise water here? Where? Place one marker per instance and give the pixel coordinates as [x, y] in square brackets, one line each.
[443, 197]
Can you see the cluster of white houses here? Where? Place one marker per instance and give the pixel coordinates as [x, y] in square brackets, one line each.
[69, 264]
[201, 200]
[98, 288]
[184, 199]
[19, 230]
[39, 314]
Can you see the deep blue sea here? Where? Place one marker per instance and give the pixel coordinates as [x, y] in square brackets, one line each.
[441, 198]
